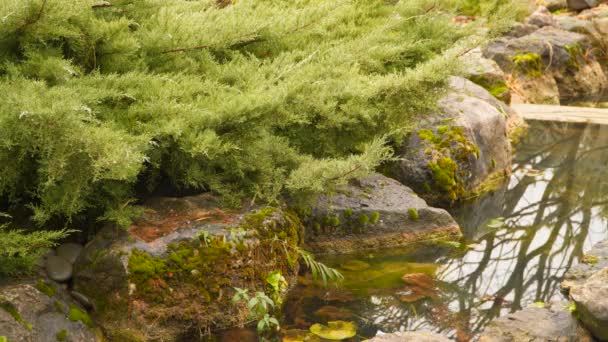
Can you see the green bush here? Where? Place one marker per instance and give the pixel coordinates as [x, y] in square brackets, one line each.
[247, 100]
[19, 250]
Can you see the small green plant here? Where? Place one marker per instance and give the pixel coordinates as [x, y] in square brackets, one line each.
[205, 237]
[278, 284]
[3, 339]
[259, 307]
[413, 214]
[320, 270]
[348, 213]
[237, 235]
[363, 219]
[375, 217]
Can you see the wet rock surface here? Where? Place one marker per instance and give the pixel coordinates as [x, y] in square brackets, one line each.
[593, 261]
[142, 282]
[374, 212]
[535, 324]
[410, 336]
[27, 314]
[591, 299]
[461, 148]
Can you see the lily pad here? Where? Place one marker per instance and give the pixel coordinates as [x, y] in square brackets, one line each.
[355, 265]
[335, 330]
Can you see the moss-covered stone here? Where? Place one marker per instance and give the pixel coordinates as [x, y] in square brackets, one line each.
[62, 335]
[413, 214]
[77, 315]
[45, 288]
[187, 287]
[529, 64]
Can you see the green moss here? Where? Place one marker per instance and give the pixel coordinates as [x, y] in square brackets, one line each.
[59, 306]
[363, 219]
[448, 146]
[493, 163]
[62, 335]
[444, 175]
[76, 315]
[374, 217]
[332, 221]
[499, 91]
[530, 64]
[348, 213]
[576, 54]
[590, 259]
[3, 339]
[413, 214]
[316, 227]
[43, 287]
[12, 310]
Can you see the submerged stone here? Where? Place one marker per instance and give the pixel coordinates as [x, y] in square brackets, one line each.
[335, 330]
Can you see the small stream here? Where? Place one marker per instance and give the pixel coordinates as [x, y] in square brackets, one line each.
[519, 242]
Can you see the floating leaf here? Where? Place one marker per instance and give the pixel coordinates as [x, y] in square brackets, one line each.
[335, 330]
[537, 305]
[496, 223]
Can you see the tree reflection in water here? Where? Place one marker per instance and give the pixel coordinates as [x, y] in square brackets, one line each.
[555, 208]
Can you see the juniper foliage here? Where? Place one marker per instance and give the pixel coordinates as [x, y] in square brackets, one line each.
[250, 99]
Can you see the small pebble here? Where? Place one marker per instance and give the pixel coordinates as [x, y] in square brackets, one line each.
[69, 251]
[58, 269]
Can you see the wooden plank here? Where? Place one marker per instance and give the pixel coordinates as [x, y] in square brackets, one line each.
[563, 113]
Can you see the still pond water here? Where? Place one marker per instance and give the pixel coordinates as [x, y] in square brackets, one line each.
[554, 208]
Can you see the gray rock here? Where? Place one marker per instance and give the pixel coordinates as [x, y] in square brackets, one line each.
[541, 17]
[554, 5]
[374, 212]
[37, 317]
[535, 324]
[520, 30]
[410, 336]
[578, 5]
[551, 52]
[591, 299]
[536, 90]
[69, 251]
[470, 132]
[58, 269]
[596, 259]
[173, 273]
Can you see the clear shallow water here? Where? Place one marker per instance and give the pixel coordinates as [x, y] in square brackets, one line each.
[555, 207]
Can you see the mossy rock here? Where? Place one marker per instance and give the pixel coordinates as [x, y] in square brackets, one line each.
[458, 148]
[381, 219]
[205, 253]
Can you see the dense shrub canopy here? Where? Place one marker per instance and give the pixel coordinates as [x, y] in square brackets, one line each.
[244, 98]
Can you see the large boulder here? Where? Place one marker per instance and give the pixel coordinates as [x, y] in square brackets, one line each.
[460, 148]
[596, 259]
[42, 312]
[546, 56]
[374, 212]
[410, 336]
[591, 300]
[535, 324]
[172, 274]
